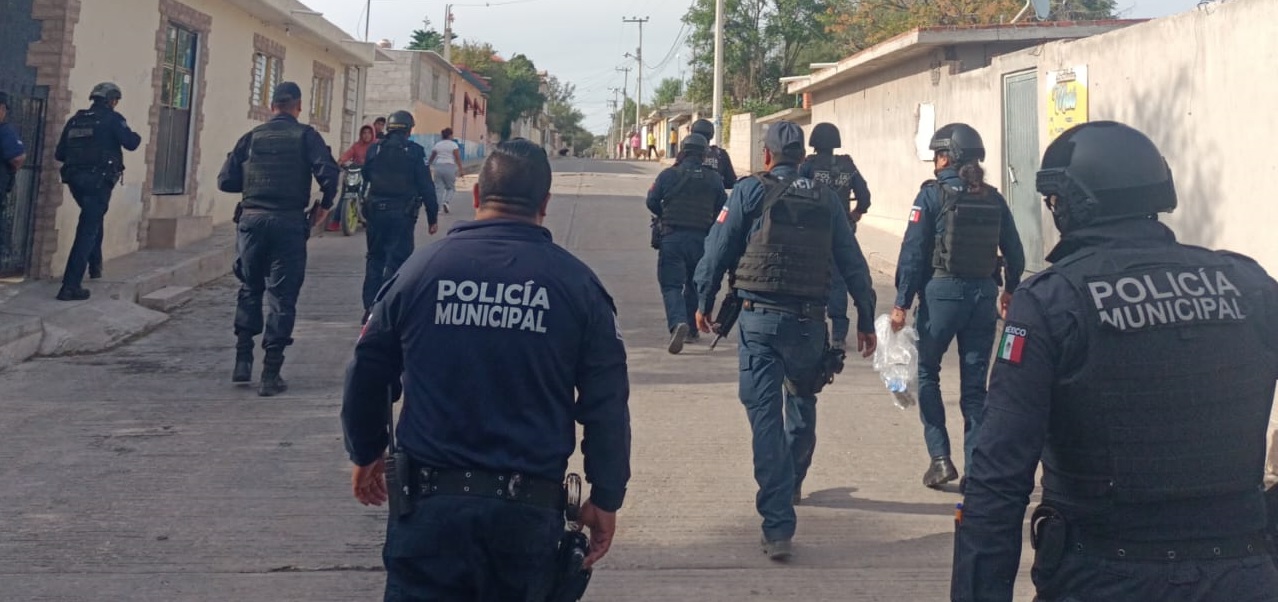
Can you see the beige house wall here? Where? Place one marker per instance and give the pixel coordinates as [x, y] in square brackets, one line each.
[1188, 81]
[116, 41]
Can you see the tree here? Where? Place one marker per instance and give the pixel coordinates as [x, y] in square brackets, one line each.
[516, 86]
[427, 38]
[669, 90]
[565, 117]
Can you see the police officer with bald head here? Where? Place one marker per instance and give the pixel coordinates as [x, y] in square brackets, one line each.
[783, 237]
[684, 200]
[1141, 371]
[272, 167]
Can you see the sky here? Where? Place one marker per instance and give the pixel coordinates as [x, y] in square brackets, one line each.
[579, 41]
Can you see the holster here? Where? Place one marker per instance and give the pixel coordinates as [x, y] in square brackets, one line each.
[1049, 536]
[655, 239]
[400, 484]
[571, 580]
[239, 212]
[831, 364]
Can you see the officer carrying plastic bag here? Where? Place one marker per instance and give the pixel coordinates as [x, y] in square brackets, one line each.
[897, 360]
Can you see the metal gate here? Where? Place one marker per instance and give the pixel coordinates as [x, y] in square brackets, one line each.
[1020, 148]
[17, 209]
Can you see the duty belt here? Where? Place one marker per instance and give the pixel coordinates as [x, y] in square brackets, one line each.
[1201, 549]
[499, 485]
[811, 311]
[386, 205]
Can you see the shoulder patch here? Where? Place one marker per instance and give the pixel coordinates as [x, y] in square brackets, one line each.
[916, 214]
[723, 215]
[1011, 346]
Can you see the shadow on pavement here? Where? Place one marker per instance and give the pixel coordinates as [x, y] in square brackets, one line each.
[842, 498]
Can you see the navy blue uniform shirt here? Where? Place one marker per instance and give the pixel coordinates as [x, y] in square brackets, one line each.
[323, 166]
[421, 177]
[742, 216]
[914, 266]
[987, 547]
[121, 135]
[10, 144]
[667, 180]
[726, 170]
[860, 189]
[503, 340]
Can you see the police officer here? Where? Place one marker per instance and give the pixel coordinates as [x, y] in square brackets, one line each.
[502, 340]
[1142, 372]
[783, 236]
[399, 183]
[272, 167]
[949, 258]
[685, 200]
[92, 164]
[12, 153]
[715, 158]
[840, 174]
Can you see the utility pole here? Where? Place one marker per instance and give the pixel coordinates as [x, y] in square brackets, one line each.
[613, 140]
[368, 17]
[448, 33]
[718, 70]
[639, 70]
[625, 87]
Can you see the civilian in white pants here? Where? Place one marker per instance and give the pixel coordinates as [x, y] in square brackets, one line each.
[445, 163]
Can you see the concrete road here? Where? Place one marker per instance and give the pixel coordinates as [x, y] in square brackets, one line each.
[142, 474]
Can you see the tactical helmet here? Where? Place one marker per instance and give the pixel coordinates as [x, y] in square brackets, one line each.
[107, 91]
[695, 143]
[703, 127]
[400, 120]
[825, 136]
[1104, 171]
[961, 141]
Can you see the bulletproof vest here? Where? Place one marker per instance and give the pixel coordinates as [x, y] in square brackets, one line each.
[89, 143]
[968, 247]
[791, 253]
[1173, 396]
[834, 173]
[277, 175]
[392, 176]
[690, 203]
[712, 159]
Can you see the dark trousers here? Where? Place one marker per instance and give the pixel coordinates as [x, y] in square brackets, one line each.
[1082, 578]
[390, 243]
[86, 251]
[471, 549]
[775, 347]
[677, 260]
[963, 309]
[271, 262]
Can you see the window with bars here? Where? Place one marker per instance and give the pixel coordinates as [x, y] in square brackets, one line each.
[178, 76]
[321, 99]
[268, 72]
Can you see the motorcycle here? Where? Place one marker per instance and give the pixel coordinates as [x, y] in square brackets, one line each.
[351, 208]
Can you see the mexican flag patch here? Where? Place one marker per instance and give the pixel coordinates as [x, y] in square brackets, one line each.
[916, 214]
[723, 215]
[1012, 345]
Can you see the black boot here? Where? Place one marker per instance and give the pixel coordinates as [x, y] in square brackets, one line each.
[243, 372]
[73, 294]
[940, 472]
[272, 384]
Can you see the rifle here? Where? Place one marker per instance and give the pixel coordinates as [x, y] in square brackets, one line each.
[729, 311]
[571, 579]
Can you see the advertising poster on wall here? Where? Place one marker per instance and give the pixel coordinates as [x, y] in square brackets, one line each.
[1066, 99]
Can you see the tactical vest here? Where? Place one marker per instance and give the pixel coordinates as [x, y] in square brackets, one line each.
[835, 173]
[690, 203]
[393, 170]
[89, 143]
[277, 175]
[968, 247]
[791, 253]
[712, 159]
[1173, 397]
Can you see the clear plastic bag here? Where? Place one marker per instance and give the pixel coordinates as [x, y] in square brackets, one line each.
[897, 360]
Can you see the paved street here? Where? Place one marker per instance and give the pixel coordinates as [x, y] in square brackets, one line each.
[143, 474]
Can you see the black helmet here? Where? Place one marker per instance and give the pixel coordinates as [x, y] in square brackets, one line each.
[961, 141]
[1104, 171]
[695, 143]
[400, 120]
[703, 127]
[106, 91]
[825, 136]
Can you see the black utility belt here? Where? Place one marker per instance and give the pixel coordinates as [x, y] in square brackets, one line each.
[281, 212]
[811, 311]
[387, 205]
[511, 486]
[940, 273]
[1203, 549]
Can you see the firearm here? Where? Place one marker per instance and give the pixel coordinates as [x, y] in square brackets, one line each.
[571, 578]
[729, 311]
[399, 481]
